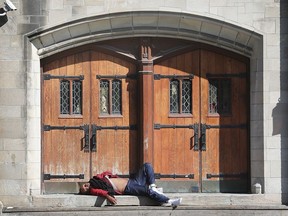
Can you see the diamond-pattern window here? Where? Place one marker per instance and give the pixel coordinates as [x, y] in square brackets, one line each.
[65, 97]
[116, 97]
[174, 96]
[110, 89]
[70, 96]
[186, 96]
[77, 97]
[180, 96]
[219, 96]
[104, 96]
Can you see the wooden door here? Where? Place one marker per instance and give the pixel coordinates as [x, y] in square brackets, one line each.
[89, 114]
[210, 139]
[66, 117]
[224, 123]
[176, 122]
[114, 114]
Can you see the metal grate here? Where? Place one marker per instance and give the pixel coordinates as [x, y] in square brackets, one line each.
[116, 97]
[174, 96]
[64, 97]
[219, 96]
[77, 96]
[104, 96]
[186, 96]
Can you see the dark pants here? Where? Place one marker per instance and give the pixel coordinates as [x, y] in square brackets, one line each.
[139, 185]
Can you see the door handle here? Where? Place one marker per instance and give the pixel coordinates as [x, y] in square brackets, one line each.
[203, 137]
[196, 137]
[94, 138]
[85, 128]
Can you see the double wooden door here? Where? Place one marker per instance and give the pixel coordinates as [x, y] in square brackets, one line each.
[201, 122]
[89, 116]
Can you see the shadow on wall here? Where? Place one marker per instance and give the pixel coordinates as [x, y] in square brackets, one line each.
[280, 112]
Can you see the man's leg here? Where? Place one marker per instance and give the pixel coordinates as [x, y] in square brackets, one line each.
[145, 175]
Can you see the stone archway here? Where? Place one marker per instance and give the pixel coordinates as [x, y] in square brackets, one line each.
[51, 40]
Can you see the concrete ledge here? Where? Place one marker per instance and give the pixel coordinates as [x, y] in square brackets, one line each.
[189, 199]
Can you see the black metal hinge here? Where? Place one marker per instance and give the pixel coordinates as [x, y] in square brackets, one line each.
[239, 75]
[129, 76]
[195, 127]
[204, 127]
[160, 76]
[226, 175]
[96, 128]
[64, 176]
[159, 176]
[84, 127]
[49, 76]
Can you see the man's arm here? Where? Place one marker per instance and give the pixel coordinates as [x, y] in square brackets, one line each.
[103, 193]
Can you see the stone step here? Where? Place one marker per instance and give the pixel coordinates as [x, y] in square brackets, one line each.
[189, 199]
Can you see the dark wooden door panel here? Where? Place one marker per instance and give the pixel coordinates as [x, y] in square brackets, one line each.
[225, 159]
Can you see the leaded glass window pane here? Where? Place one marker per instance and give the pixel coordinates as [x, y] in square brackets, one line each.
[104, 96]
[186, 96]
[64, 97]
[116, 97]
[220, 96]
[174, 96]
[213, 96]
[225, 98]
[77, 96]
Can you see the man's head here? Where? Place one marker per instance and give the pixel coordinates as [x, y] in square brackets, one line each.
[84, 189]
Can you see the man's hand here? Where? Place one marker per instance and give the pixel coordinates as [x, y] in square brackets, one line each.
[111, 199]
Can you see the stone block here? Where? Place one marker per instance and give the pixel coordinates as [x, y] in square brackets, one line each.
[273, 185]
[11, 112]
[12, 128]
[12, 80]
[193, 5]
[273, 154]
[34, 170]
[10, 54]
[12, 157]
[256, 7]
[257, 155]
[34, 144]
[56, 4]
[13, 187]
[33, 157]
[31, 7]
[257, 169]
[275, 169]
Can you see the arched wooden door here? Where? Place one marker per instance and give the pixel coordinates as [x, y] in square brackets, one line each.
[201, 122]
[89, 120]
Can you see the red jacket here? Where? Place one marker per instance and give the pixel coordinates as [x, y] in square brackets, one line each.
[101, 176]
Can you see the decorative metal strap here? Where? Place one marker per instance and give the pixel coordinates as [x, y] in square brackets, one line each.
[227, 175]
[160, 76]
[129, 76]
[96, 128]
[49, 76]
[159, 176]
[49, 176]
[205, 126]
[84, 127]
[239, 75]
[195, 127]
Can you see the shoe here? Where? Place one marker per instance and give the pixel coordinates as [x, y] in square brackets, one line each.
[172, 202]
